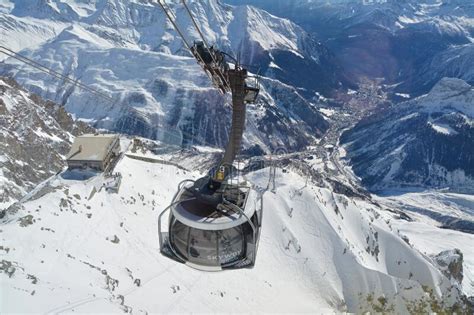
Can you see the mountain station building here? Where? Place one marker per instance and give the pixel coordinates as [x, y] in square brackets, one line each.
[96, 151]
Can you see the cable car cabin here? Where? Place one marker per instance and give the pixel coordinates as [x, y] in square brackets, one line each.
[209, 237]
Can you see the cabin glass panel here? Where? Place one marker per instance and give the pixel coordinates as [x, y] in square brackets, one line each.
[203, 247]
[210, 248]
[180, 237]
[231, 245]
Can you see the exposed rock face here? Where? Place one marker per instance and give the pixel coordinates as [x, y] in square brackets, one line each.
[425, 142]
[450, 263]
[34, 137]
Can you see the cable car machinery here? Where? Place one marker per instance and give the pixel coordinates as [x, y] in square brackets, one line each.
[214, 223]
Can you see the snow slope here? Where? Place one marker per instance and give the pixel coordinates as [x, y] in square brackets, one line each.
[436, 217]
[74, 250]
[431, 241]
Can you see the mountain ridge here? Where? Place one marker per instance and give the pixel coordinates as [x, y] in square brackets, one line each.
[167, 83]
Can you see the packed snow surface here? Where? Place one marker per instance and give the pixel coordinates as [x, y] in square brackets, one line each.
[80, 248]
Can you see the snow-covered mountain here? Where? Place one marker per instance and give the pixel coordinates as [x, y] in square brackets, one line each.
[128, 50]
[393, 40]
[34, 137]
[427, 141]
[392, 14]
[82, 249]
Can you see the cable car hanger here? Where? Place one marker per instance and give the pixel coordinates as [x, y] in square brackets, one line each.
[213, 222]
[216, 67]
